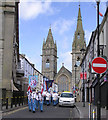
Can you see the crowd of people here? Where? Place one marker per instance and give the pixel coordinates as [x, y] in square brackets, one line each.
[36, 99]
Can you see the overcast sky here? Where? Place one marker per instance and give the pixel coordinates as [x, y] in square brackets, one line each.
[36, 18]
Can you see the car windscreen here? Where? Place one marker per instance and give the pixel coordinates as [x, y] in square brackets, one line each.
[69, 95]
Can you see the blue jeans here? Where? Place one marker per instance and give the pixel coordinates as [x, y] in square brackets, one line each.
[41, 105]
[33, 105]
[37, 104]
[29, 104]
[48, 102]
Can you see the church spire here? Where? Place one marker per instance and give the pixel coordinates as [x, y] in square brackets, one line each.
[50, 37]
[79, 20]
[79, 40]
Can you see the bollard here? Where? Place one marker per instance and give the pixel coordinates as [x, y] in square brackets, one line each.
[11, 102]
[15, 101]
[89, 110]
[94, 114]
[22, 100]
[7, 103]
[19, 100]
[1, 103]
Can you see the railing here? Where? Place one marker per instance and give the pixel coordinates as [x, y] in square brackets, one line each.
[14, 102]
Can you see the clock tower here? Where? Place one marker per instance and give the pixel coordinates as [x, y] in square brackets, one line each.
[49, 57]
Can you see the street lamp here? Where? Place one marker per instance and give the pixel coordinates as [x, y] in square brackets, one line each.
[75, 80]
[98, 75]
[82, 51]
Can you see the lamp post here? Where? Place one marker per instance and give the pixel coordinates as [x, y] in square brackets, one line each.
[98, 75]
[75, 80]
[82, 51]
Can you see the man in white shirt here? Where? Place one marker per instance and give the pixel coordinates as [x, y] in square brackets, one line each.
[37, 99]
[48, 98]
[55, 98]
[33, 100]
[40, 101]
[29, 100]
[44, 96]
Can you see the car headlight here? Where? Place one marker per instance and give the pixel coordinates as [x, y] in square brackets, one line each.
[72, 100]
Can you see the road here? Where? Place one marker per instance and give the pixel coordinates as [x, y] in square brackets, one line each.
[49, 112]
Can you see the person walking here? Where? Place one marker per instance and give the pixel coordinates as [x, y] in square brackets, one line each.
[44, 97]
[48, 98]
[55, 98]
[40, 101]
[29, 100]
[37, 100]
[33, 101]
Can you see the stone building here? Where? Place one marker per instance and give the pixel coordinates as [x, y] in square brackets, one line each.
[9, 46]
[49, 57]
[64, 79]
[77, 45]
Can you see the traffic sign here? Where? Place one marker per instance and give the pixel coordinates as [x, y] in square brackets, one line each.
[99, 65]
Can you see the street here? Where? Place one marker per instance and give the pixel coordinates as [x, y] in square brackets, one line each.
[49, 112]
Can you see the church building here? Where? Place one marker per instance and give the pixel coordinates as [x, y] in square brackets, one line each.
[64, 78]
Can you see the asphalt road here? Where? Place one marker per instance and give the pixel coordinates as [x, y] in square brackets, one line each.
[49, 112]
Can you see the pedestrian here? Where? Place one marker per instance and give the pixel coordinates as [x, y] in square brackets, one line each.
[37, 100]
[78, 97]
[55, 98]
[33, 101]
[48, 98]
[44, 96]
[40, 101]
[29, 100]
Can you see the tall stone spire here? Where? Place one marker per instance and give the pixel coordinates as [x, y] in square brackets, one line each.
[78, 44]
[79, 20]
[79, 40]
[49, 39]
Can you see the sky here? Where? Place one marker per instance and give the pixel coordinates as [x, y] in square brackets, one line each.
[36, 19]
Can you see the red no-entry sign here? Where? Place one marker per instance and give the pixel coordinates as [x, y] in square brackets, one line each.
[99, 65]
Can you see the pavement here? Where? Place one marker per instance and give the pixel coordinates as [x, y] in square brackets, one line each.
[84, 111]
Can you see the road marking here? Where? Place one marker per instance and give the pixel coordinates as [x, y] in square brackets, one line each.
[10, 112]
[99, 65]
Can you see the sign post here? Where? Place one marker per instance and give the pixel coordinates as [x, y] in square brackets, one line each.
[99, 65]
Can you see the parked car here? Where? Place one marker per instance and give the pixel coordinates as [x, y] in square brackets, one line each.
[66, 99]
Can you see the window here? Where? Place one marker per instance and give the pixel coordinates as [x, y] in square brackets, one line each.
[47, 63]
[78, 37]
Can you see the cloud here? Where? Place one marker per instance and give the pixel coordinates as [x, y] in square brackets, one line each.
[62, 25]
[66, 58]
[30, 9]
[87, 36]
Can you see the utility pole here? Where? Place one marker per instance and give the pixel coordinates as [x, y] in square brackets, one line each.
[98, 75]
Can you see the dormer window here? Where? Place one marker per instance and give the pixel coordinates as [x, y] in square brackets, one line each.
[47, 63]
